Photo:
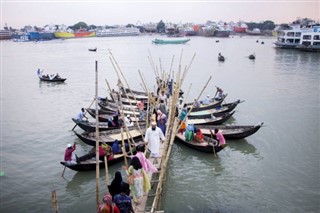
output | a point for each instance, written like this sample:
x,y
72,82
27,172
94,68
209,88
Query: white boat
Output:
x,y
310,41
119,31
290,37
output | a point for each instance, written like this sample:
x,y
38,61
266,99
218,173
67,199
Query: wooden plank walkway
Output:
x,y
147,199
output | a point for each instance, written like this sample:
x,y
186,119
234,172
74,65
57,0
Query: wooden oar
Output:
x,y
214,150
63,171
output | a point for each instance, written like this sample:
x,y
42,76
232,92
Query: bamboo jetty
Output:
x,y
150,202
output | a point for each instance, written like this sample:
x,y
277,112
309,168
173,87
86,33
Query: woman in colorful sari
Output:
x,y
140,183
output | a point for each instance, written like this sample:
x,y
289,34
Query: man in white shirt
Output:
x,y
81,115
153,136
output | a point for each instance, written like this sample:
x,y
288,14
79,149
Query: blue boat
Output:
x,y
170,41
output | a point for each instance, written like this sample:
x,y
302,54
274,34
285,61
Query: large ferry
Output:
x,y
310,41
5,34
120,31
290,36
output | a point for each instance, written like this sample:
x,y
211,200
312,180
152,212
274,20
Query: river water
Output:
x,y
275,170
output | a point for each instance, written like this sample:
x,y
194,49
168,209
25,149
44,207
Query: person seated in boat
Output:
x,y
128,121
69,156
81,115
189,134
199,135
206,101
196,103
116,118
116,148
220,94
57,76
220,138
106,150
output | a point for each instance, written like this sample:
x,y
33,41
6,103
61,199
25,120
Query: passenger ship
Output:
x,y
5,34
290,37
119,31
310,41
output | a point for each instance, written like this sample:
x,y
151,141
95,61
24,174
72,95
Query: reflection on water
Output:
x,y
243,147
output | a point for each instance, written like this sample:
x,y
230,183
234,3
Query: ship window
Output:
x,y
316,43
289,41
306,43
291,34
298,34
316,37
297,41
307,37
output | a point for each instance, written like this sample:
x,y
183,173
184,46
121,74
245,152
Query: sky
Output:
x,y
18,14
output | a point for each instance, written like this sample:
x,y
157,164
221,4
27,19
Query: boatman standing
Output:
x,y
81,115
152,138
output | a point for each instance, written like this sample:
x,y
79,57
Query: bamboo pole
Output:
x,y
164,164
152,63
114,61
106,171
97,142
54,200
124,149
167,148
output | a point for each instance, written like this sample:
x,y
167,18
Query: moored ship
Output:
x,y
310,41
290,37
5,34
120,31
77,34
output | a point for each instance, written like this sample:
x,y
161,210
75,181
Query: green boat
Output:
x,y
170,41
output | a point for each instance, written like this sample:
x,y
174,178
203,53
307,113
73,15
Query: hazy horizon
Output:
x,y
18,14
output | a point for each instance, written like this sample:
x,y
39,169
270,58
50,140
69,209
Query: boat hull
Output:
x,y
206,146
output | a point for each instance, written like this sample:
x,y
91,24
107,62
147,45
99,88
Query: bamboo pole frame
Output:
x,y
97,139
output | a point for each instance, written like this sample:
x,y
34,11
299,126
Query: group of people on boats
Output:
x,y
50,77
219,95
138,182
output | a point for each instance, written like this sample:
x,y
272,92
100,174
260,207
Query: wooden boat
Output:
x,y
213,104
91,126
170,41
127,110
252,56
232,132
197,120
93,49
208,145
90,164
51,79
133,96
103,126
110,136
217,111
